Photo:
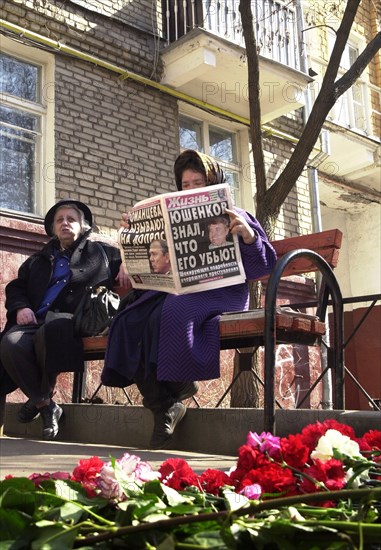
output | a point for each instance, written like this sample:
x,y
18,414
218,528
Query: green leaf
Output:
x,y
154,487
67,490
188,509
12,522
20,483
174,497
140,507
151,518
70,512
206,539
15,497
54,537
167,544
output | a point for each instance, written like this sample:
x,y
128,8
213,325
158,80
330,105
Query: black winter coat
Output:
x,y
88,268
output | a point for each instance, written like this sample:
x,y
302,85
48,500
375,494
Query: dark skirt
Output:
x,y
133,341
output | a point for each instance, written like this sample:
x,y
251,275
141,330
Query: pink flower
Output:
x,y
135,470
39,478
265,442
107,484
252,492
130,469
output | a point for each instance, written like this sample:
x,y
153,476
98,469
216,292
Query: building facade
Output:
x,y
99,97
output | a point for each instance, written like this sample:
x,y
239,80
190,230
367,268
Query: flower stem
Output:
x,y
356,494
84,508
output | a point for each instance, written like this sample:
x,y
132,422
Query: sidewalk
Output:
x,y
22,457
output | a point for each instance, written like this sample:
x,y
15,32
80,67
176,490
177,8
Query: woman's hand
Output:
x,y
123,279
26,316
239,226
125,221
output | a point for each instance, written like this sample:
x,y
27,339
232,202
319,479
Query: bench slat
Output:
x,y
252,323
245,324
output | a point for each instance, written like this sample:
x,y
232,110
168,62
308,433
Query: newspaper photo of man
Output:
x,y
159,257
218,232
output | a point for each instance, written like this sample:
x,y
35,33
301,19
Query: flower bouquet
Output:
x,y
320,489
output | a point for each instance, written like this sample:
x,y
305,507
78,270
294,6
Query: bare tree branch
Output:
x,y
358,67
325,100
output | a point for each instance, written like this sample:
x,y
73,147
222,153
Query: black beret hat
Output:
x,y
49,218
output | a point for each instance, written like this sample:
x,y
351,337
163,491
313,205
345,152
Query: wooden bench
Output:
x,y
272,325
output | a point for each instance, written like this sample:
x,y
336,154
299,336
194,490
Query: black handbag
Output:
x,y
96,308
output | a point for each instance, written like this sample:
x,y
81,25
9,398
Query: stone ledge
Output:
x,y
204,430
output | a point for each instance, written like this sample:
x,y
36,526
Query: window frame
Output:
x,y
44,179
348,100
243,192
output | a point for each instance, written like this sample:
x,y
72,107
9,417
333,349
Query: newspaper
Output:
x,y
180,242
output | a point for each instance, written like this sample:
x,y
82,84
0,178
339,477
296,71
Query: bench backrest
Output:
x,y
326,243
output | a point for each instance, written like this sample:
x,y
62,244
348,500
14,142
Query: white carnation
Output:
x,y
333,441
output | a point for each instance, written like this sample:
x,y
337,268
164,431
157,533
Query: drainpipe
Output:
x,y
313,184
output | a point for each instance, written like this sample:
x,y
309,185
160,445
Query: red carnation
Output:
x,y
176,473
331,473
86,473
294,452
211,481
272,478
371,441
248,459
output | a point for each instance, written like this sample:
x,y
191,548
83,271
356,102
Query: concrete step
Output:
x,y
203,430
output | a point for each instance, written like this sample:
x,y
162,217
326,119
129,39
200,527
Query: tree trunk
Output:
x,y
270,198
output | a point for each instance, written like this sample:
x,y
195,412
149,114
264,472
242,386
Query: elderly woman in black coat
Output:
x,y
38,340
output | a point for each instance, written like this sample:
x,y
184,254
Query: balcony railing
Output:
x,y
275,24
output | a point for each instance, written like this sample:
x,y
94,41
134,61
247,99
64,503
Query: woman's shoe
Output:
x,y
50,415
165,423
27,412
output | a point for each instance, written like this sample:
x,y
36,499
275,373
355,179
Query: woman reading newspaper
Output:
x,y
165,342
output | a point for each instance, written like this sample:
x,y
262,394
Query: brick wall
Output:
x,y
115,141
115,39
295,213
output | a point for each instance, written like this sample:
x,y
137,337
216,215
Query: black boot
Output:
x,y
165,424
27,412
50,415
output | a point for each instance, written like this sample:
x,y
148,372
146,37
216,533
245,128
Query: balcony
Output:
x,y
205,55
351,150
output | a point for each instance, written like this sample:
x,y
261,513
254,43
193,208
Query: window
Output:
x,y
216,142
349,110
24,129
